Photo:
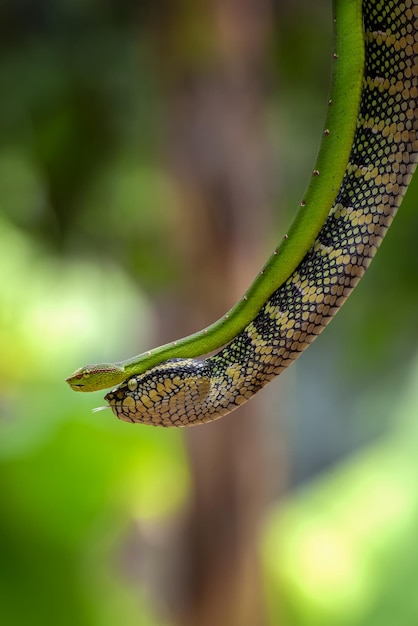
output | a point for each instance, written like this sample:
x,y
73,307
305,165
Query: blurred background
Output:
x,y
151,157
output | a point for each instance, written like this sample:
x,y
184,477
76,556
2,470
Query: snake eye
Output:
x,y
132,384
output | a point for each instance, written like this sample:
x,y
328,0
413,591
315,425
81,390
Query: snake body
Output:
x,y
184,391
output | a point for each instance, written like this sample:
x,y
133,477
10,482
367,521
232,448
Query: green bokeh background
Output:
x,y
85,208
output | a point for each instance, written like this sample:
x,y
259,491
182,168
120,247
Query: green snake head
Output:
x,y
95,377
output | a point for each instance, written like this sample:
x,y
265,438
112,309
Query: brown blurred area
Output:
x,y
214,65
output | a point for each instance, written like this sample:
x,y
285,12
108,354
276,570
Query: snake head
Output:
x,y
170,394
95,377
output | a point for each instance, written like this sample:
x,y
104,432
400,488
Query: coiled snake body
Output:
x,y
181,392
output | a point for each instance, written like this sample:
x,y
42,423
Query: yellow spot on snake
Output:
x,y
128,403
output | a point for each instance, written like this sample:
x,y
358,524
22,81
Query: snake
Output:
x,y
367,157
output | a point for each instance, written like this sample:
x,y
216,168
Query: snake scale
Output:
x,y
185,391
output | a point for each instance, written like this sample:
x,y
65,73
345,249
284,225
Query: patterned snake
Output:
x,y
302,287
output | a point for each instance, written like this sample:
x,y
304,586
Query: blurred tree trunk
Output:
x,y
213,63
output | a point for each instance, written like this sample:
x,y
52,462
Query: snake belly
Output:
x,y
183,392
